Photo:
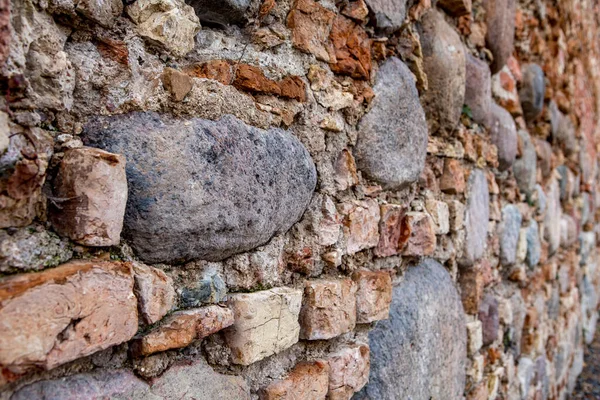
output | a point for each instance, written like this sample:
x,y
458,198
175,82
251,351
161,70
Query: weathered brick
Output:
x,y
390,230
348,371
154,291
418,235
308,380
328,308
53,317
266,323
361,225
373,295
453,177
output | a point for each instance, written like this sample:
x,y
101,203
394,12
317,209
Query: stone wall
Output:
x,y
297,199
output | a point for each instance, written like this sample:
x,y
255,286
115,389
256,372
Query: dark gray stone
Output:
x,y
222,12
525,167
210,289
489,317
500,18
533,90
202,189
420,352
504,136
392,137
509,234
534,249
478,89
477,217
389,14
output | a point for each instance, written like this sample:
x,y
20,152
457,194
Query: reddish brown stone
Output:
x,y
373,295
418,235
155,292
352,48
177,83
61,314
182,328
293,87
252,79
357,10
112,49
218,70
348,371
453,178
390,230
456,7
328,308
311,24
471,285
308,380
91,188
361,225
4,30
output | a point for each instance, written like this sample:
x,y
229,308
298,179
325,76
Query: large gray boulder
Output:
x,y
392,137
202,189
420,352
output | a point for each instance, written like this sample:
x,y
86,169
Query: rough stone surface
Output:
x,y
169,22
418,235
348,371
488,315
32,249
90,194
373,295
155,292
533,90
311,25
308,380
478,89
553,216
392,138
209,289
52,317
389,14
328,308
181,328
266,323
223,12
509,234
525,166
440,214
361,225
390,230
533,245
471,284
477,215
504,136
421,351
453,177
500,18
456,8
445,66
222,211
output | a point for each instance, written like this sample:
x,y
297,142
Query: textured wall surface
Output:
x,y
298,199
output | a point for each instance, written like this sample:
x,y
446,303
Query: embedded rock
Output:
x,y
242,185
224,12
500,20
478,89
445,65
533,245
509,234
373,295
476,218
311,24
348,371
504,136
308,380
52,317
172,23
488,315
392,137
155,292
389,14
525,167
418,235
533,90
420,352
563,130
90,192
390,230
361,225
266,323
456,8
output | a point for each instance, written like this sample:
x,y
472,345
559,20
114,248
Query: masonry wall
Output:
x,y
297,199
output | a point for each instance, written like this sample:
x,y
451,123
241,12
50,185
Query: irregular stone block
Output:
x,y
242,184
390,230
525,167
534,249
351,49
209,289
177,82
172,23
224,12
90,191
533,91
420,352
389,14
509,234
445,66
453,177
553,216
311,24
266,323
477,216
361,225
489,317
563,130
568,231
418,235
345,171
308,380
478,89
155,292
504,136
471,285
348,371
474,338
439,212
183,327
500,19
328,308
32,249
52,317
373,295
457,215
392,138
